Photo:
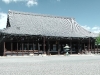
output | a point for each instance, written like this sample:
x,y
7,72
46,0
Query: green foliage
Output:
x,y
97,40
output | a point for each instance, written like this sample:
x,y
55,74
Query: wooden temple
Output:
x,y
31,33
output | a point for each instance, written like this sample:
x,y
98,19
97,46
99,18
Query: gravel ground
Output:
x,y
50,65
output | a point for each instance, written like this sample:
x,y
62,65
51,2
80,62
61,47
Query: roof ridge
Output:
x,y
37,14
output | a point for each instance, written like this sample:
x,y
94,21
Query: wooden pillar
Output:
x,y
44,45
84,48
38,46
28,47
94,48
4,50
11,48
70,45
61,48
78,45
33,46
22,48
97,48
89,45
48,47
58,47
17,48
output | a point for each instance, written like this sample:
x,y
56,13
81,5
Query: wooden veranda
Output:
x,y
26,45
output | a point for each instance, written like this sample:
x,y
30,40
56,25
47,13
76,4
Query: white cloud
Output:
x,y
3,20
9,1
29,3
86,27
6,1
94,29
32,2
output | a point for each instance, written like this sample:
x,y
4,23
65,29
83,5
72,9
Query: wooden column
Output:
x,y
33,46
17,48
28,47
22,48
38,46
48,47
78,45
70,45
58,47
94,48
4,50
97,48
89,45
84,48
61,47
43,45
11,48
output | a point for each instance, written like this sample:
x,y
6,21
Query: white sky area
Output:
x,y
3,20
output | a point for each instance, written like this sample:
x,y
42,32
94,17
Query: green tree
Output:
x,y
97,42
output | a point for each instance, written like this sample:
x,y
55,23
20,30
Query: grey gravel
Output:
x,y
50,65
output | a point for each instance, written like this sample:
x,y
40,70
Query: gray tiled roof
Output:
x,y
46,25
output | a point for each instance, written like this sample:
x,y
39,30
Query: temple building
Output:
x,y
31,33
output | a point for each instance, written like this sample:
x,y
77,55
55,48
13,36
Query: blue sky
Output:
x,y
85,12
